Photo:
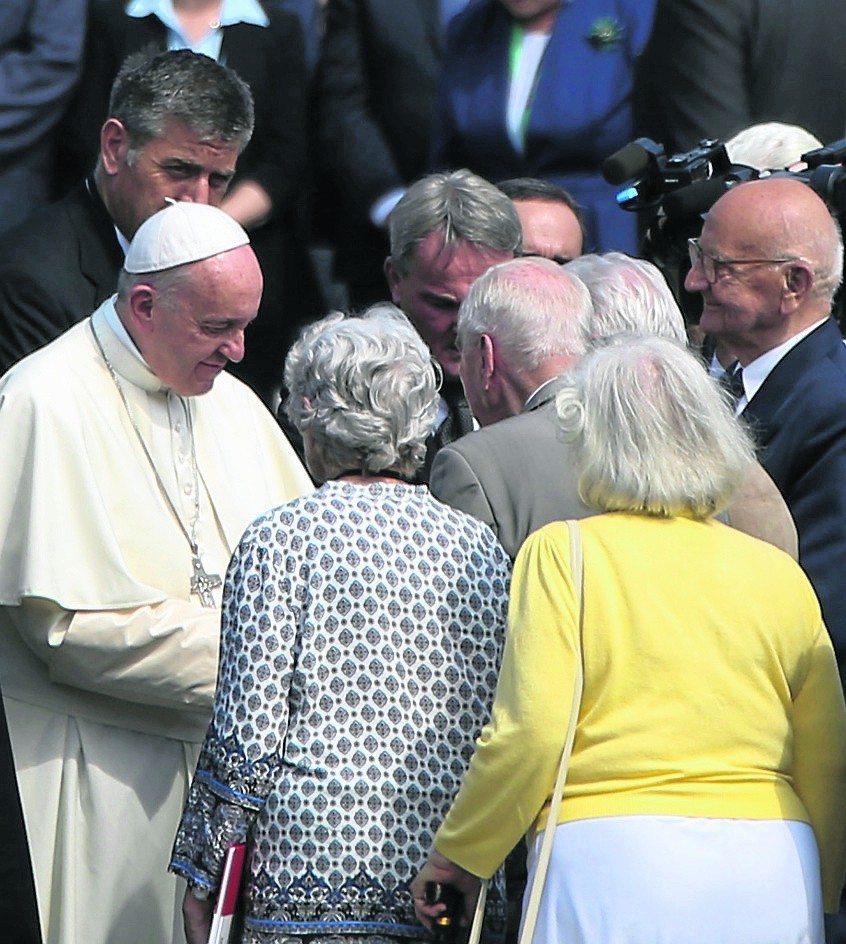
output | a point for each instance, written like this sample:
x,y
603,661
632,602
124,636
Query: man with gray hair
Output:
x,y
516,474
177,124
445,232
131,464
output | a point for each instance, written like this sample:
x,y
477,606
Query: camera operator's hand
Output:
x,y
440,869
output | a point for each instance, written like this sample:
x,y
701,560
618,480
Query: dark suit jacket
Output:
x,y
40,50
376,86
18,909
714,67
55,269
581,109
519,474
799,418
271,60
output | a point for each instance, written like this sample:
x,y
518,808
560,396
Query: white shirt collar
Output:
x,y
538,392
757,371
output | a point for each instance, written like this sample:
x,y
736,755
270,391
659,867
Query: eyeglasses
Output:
x,y
712,266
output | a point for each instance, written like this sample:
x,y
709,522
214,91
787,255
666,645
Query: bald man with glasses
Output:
x,y
767,265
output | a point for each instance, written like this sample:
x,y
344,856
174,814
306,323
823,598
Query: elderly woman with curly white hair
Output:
x,y
361,638
706,793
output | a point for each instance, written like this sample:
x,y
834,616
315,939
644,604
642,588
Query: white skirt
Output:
x,y
680,880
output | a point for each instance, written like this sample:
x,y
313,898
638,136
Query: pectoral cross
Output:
x,y
202,583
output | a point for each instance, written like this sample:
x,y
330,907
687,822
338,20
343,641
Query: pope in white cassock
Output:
x,y
129,467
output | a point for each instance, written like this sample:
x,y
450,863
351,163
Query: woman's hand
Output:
x,y
440,869
196,918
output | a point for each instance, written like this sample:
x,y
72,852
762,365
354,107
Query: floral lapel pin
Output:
x,y
605,33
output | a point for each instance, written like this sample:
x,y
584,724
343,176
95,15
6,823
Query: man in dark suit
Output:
x,y
714,67
155,147
376,87
521,325
767,265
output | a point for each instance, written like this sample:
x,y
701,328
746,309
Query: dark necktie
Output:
x,y
732,380
458,421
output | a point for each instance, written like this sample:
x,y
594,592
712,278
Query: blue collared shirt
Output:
x,y
231,11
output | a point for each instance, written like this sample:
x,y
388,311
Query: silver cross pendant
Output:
x,y
202,583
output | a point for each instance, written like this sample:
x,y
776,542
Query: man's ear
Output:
x,y
487,351
798,282
140,307
394,278
114,145
799,279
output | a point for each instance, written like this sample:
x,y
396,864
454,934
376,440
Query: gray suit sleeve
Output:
x,y
453,481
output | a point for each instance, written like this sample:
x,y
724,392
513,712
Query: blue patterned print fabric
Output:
x,y
362,633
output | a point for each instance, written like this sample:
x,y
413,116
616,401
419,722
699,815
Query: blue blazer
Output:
x,y
799,418
581,110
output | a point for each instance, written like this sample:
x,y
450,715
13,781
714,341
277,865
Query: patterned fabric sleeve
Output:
x,y
240,759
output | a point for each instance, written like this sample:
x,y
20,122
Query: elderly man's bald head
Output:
x,y
784,218
771,260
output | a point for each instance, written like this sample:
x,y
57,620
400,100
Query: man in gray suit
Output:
x,y
521,325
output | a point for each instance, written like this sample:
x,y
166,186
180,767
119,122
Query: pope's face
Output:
x,y
432,291
190,332
179,165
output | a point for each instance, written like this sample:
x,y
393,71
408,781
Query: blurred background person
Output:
x,y
704,798
542,88
714,67
376,86
40,53
360,647
550,218
264,46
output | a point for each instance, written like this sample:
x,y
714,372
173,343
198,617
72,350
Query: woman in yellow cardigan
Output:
x,y
706,795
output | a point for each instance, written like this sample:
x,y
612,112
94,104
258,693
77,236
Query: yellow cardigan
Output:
x,y
711,689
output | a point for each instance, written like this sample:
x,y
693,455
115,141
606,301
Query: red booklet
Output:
x,y
227,899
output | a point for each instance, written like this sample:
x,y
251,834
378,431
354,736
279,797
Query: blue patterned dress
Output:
x,y
361,638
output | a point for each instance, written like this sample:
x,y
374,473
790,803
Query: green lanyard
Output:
x,y
515,53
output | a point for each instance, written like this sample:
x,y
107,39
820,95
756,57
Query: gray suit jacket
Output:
x,y
518,475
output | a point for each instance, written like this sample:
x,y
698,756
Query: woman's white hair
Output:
x,y
652,431
628,295
366,388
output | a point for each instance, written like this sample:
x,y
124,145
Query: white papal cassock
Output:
x,y
108,662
